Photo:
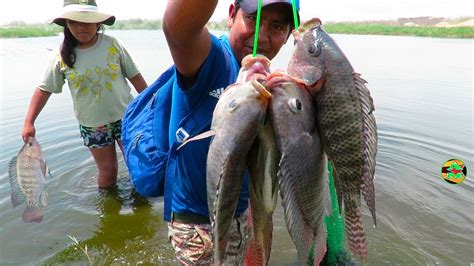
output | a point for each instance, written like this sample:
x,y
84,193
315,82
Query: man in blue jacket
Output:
x,y
204,65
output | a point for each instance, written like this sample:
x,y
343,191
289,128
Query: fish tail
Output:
x,y
369,197
32,214
260,243
356,239
255,254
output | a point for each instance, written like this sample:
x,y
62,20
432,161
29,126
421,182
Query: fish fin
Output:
x,y
337,185
221,236
203,135
299,228
43,167
12,172
32,214
49,172
17,197
319,245
355,234
12,167
44,197
370,150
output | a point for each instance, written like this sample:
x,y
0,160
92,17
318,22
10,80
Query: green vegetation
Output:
x,y
380,29
21,30
136,24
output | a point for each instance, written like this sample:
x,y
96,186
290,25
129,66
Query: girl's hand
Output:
x,y
29,130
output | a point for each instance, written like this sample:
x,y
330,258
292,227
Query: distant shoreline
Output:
x,y
421,27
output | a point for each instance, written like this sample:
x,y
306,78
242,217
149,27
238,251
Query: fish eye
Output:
x,y
295,105
314,49
232,105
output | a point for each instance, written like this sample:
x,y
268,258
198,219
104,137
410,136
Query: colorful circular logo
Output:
x,y
454,171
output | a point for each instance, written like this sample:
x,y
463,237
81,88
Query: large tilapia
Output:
x,y
346,122
27,173
237,118
302,164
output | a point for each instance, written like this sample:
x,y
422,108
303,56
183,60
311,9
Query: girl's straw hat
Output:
x,y
85,11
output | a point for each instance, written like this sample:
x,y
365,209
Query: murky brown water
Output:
x,y
422,89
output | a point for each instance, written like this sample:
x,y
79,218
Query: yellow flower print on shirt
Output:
x,y
95,80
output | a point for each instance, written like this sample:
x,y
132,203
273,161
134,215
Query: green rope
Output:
x,y
257,28
295,13
335,239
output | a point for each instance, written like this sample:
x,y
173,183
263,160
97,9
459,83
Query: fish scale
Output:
x,y
237,118
27,172
346,122
301,167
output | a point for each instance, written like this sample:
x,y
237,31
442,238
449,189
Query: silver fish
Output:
x,y
27,173
346,122
301,167
238,115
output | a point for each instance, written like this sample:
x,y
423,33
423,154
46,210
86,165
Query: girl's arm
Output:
x,y
138,82
38,101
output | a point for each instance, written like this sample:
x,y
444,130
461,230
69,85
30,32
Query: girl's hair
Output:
x,y
68,54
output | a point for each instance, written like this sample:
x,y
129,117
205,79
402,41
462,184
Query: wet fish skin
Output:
x,y
238,115
346,121
301,167
27,174
262,162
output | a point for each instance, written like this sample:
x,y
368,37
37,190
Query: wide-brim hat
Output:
x,y
85,11
251,6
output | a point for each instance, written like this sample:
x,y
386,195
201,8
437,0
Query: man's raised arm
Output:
x,y
184,25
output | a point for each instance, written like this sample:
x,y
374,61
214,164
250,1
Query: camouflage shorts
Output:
x,y
192,243
101,136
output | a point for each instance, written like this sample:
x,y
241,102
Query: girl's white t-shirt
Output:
x,y
97,82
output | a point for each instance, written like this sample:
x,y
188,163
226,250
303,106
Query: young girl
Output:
x,y
96,67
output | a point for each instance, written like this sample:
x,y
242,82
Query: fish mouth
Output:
x,y
249,60
279,77
261,89
312,23
257,67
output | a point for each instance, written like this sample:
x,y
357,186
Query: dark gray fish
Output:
x,y
301,168
27,173
345,120
237,118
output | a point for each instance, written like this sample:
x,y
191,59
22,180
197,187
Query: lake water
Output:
x,y
423,94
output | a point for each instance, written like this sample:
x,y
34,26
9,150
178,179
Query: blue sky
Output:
x,y
326,10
